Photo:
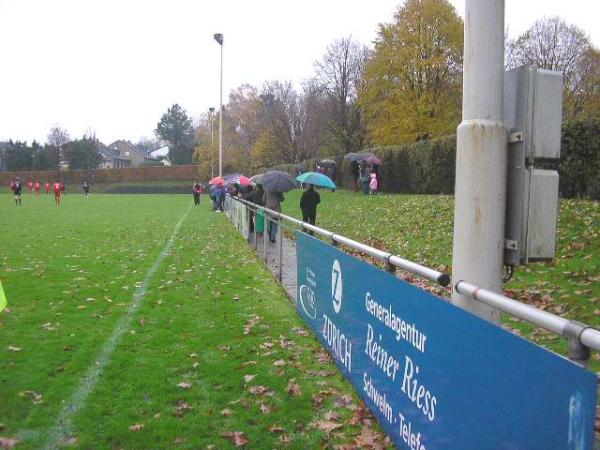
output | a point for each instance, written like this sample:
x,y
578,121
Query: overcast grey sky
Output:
x,y
115,66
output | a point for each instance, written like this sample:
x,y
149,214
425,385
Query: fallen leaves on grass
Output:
x,y
259,390
184,385
370,439
178,440
12,348
276,429
293,388
301,331
265,408
237,437
343,401
279,363
34,396
323,357
248,378
181,408
137,427
8,443
48,326
332,415
325,425
226,412
252,321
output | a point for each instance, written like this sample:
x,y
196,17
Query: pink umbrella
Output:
x,y
374,160
244,181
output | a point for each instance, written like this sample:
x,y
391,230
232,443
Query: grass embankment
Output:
x,y
214,354
419,228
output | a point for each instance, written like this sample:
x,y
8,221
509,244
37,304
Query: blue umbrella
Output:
x,y
318,179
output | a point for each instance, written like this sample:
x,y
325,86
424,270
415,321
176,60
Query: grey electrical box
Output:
x,y
533,114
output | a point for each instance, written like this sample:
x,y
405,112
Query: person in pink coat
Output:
x,y
373,184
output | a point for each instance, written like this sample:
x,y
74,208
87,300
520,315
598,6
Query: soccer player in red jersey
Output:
x,y
36,187
30,186
47,187
57,191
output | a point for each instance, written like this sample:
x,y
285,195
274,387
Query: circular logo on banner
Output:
x,y
336,286
307,300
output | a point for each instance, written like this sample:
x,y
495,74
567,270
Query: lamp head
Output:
x,y
219,38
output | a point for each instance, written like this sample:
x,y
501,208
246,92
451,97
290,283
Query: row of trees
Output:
x,y
406,89
78,153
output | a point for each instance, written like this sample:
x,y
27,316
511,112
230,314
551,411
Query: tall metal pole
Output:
x,y
480,194
221,115
211,112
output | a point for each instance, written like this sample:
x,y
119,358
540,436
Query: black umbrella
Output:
x,y
357,156
277,181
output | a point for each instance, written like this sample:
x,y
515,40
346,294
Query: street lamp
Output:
x,y
219,38
211,112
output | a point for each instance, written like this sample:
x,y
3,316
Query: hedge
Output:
x,y
428,167
579,165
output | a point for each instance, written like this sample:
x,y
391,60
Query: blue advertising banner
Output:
x,y
436,376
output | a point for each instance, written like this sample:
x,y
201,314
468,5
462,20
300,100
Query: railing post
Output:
x,y
280,222
578,353
265,232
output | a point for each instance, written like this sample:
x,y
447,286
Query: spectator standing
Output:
x,y
257,197
308,204
373,185
196,191
365,178
220,197
273,201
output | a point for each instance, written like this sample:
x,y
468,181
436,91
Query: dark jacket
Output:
x,y
256,197
309,201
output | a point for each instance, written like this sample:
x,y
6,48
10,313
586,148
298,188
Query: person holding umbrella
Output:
x,y
273,201
275,183
308,204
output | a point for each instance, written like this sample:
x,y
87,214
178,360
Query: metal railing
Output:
x,y
581,337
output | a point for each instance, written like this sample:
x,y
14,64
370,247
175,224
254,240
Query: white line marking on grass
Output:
x,y
63,427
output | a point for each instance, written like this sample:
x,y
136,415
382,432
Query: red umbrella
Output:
x,y
217,180
244,181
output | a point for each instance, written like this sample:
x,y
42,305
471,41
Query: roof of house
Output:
x,y
160,152
129,146
106,152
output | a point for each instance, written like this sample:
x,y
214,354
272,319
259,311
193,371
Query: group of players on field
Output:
x,y
58,187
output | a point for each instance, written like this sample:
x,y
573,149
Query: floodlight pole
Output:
x,y
219,38
211,112
480,194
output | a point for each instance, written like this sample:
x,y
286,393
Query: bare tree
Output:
x,y
338,74
57,138
555,45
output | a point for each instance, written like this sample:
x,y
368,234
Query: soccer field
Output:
x,y
141,321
